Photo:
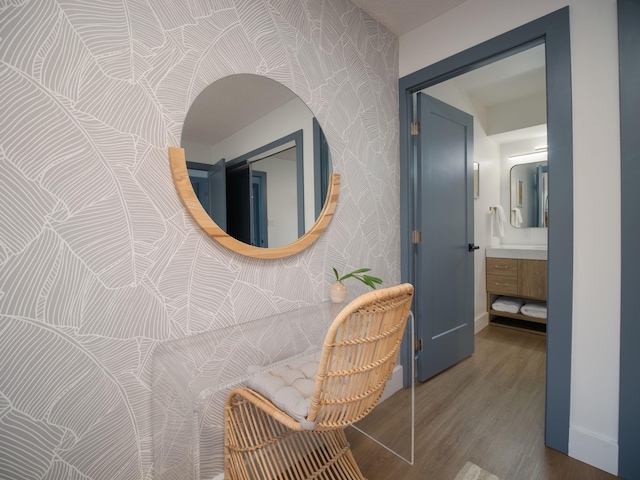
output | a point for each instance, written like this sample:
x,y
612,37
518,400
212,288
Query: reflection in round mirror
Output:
x,y
257,160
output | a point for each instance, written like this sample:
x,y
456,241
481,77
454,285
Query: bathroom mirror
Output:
x,y
529,195
258,166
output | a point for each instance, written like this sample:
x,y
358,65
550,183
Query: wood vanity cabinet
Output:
x,y
516,278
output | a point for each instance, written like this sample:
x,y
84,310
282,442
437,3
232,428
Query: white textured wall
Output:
x,y
596,141
282,200
99,262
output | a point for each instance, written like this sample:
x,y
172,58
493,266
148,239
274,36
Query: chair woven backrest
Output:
x,y
358,356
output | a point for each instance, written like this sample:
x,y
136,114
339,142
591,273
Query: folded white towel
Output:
x,y
498,221
534,309
517,217
507,304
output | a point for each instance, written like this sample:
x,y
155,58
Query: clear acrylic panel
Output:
x,y
192,377
391,423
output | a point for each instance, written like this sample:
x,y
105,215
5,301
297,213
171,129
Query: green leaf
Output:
x,y
360,270
368,280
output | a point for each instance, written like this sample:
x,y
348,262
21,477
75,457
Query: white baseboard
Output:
x,y
393,384
593,449
480,322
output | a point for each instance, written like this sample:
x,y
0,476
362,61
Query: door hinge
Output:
x,y
416,236
415,128
418,344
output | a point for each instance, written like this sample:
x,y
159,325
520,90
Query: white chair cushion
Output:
x,y
290,386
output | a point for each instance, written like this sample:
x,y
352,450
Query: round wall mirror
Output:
x,y
254,169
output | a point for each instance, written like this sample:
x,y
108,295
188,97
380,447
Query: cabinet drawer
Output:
x,y
502,284
502,266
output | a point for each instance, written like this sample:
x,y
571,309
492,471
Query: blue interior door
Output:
x,y
218,194
444,216
238,194
259,206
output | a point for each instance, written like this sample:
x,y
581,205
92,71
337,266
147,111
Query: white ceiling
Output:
x,y
509,81
231,103
518,76
402,16
500,82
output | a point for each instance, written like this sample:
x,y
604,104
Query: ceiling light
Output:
x,y
532,156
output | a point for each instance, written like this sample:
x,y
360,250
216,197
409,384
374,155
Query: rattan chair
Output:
x,y
358,355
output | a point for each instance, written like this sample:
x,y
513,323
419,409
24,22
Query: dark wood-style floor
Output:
x,y
488,409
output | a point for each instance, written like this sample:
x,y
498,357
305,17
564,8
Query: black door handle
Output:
x,y
473,247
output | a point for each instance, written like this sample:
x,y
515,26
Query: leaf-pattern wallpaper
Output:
x,y
99,262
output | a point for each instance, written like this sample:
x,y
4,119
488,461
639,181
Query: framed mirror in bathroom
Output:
x,y
529,186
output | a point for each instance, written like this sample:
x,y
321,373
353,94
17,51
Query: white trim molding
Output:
x,y
593,449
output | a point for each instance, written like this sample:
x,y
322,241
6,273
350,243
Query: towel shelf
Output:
x,y
517,278
518,316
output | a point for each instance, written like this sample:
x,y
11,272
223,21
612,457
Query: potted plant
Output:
x,y
338,291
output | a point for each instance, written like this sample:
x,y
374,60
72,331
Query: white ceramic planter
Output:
x,y
338,292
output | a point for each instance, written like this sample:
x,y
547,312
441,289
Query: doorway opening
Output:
x,y
552,31
507,100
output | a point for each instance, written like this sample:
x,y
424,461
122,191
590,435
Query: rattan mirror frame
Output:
x,y
192,204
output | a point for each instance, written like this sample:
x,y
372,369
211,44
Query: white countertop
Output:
x,y
529,252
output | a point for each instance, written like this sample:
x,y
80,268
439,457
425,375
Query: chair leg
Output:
x,y
257,447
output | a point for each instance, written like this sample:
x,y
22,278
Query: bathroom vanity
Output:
x,y
516,271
